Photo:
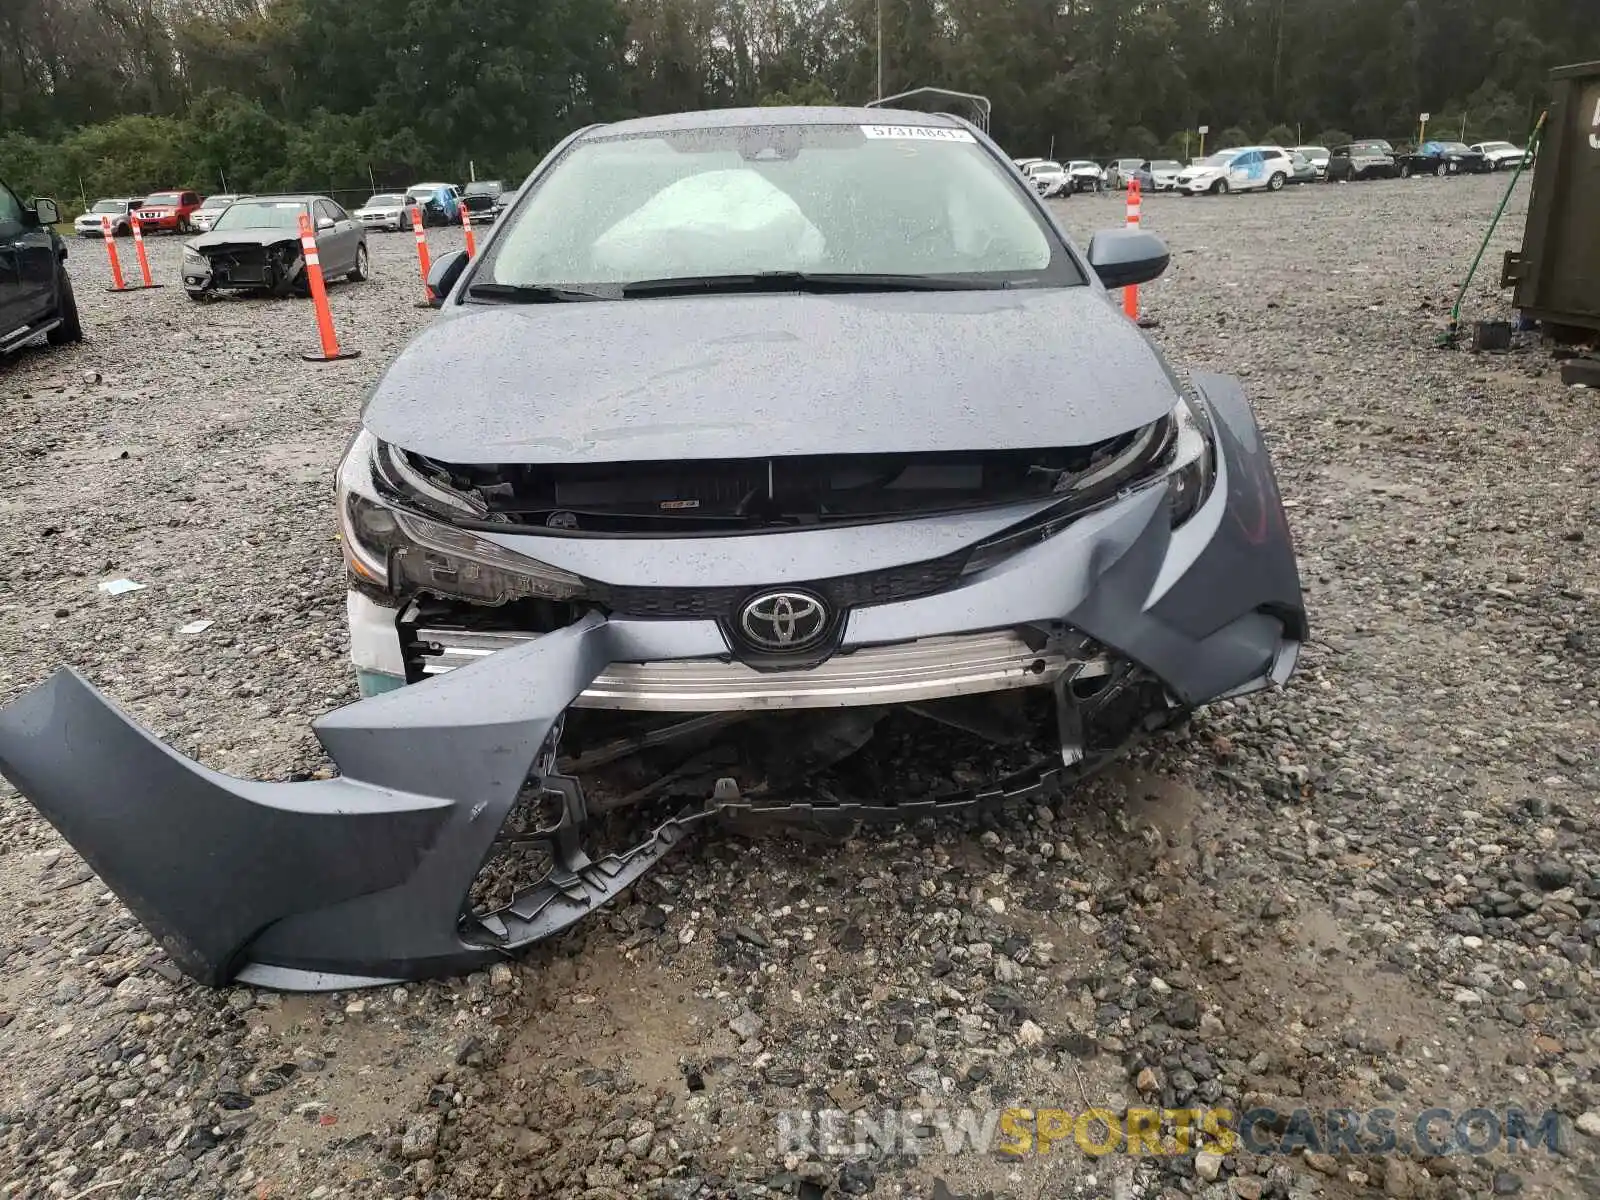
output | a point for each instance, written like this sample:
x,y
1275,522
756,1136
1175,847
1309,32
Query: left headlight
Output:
x,y
398,549
1192,467
1179,448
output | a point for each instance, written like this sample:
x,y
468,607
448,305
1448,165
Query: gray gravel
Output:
x,y
1379,887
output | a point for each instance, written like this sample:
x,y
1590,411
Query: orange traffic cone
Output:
x,y
422,255
1130,294
319,298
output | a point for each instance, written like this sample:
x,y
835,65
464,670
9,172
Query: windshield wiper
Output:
x,y
530,293
805,281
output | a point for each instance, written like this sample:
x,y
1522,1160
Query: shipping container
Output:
x,y
1557,272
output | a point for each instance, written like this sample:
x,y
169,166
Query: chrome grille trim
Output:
x,y
900,673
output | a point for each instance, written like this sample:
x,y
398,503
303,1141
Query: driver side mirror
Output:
x,y
442,276
47,210
1123,257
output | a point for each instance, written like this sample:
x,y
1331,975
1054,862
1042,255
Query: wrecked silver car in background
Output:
x,y
254,246
754,441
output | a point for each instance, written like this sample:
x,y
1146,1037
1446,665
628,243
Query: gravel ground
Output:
x,y
1380,887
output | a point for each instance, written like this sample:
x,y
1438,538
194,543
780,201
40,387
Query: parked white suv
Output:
x,y
1239,169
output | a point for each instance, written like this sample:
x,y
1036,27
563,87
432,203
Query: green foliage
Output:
x,y
1279,135
812,91
136,94
1139,142
1332,137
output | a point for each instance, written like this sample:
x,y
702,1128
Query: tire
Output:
x,y
196,296
1441,170
363,270
70,329
1275,184
1405,170
1219,188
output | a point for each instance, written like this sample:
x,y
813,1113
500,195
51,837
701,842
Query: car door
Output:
x,y
32,253
1245,170
12,310
334,244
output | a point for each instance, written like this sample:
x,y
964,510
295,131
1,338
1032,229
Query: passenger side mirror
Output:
x,y
443,274
48,211
325,222
1123,257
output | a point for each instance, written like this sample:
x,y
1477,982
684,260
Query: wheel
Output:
x,y
1405,170
194,294
70,329
1441,170
362,271
405,222
1219,188
122,230
1275,184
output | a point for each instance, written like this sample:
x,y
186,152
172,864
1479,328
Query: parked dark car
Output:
x,y
1303,170
35,289
255,246
1442,158
755,436
1361,160
485,199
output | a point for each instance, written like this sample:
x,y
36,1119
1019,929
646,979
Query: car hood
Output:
x,y
783,374
242,237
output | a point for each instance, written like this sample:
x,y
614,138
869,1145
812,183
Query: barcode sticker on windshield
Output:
x,y
920,133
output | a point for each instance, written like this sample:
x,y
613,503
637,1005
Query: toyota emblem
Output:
x,y
784,621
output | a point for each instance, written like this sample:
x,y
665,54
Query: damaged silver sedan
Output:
x,y
254,246
757,441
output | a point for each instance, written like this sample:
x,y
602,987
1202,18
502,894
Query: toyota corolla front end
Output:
x,y
719,457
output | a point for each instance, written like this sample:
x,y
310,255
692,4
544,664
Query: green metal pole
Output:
x,y
1453,331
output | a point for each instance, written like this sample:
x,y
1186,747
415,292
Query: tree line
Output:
x,y
121,96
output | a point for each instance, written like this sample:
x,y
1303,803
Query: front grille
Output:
x,y
842,592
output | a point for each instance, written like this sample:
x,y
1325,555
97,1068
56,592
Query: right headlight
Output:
x,y
400,550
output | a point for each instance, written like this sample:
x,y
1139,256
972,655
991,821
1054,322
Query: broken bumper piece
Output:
x,y
344,882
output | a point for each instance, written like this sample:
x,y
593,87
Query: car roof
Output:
x,y
286,197
725,118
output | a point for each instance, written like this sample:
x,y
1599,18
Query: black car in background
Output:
x,y
1371,159
1442,158
485,199
35,290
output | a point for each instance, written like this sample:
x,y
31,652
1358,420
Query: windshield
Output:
x,y
1454,147
274,214
1166,164
1044,168
839,200
163,198
1498,146
384,198
424,191
109,206
212,203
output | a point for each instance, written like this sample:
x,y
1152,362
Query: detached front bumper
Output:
x,y
365,877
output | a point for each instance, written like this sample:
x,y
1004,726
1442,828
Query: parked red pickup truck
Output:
x,y
168,211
